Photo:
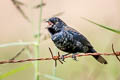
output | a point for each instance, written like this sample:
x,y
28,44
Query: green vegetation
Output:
x,y
84,69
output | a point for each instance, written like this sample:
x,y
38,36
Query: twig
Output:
x,y
39,5
18,54
115,53
57,57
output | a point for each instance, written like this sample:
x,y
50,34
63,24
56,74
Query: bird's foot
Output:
x,y
74,57
62,58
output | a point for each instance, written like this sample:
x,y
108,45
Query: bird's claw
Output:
x,y
62,58
74,57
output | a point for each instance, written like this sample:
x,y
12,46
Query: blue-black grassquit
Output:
x,y
69,40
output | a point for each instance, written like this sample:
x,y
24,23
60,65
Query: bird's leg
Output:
x,y
74,57
62,57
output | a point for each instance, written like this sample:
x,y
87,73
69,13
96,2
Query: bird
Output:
x,y
70,40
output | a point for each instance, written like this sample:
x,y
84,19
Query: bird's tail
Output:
x,y
98,57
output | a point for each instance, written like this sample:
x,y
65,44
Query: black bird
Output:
x,y
69,40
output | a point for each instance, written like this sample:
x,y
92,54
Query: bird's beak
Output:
x,y
49,24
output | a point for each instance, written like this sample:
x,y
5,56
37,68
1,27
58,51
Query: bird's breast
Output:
x,y
63,41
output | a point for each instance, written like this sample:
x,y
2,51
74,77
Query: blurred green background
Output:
x,y
15,28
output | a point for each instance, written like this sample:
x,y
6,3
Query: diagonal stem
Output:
x,y
51,52
18,54
115,53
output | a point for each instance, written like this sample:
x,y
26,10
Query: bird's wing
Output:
x,y
78,36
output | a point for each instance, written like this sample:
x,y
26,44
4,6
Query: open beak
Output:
x,y
49,24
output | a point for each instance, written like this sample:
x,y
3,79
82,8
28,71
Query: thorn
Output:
x,y
60,61
55,58
59,58
51,52
115,53
55,63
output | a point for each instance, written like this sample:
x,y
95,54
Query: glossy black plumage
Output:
x,y
69,40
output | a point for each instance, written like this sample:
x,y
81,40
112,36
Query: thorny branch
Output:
x,y
115,53
55,58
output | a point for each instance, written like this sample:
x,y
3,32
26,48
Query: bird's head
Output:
x,y
55,25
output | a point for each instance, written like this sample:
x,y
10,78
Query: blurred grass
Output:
x,y
52,77
18,44
102,26
87,68
84,69
37,48
14,71
18,5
